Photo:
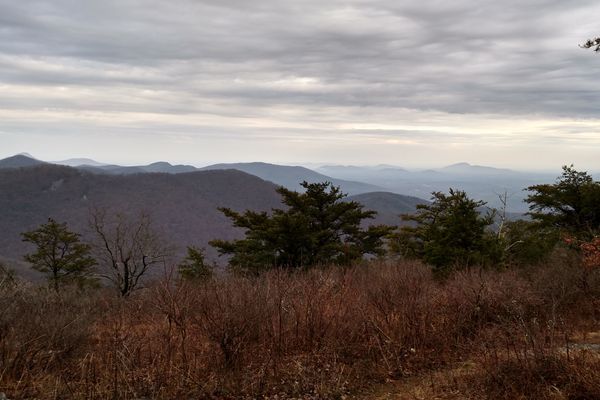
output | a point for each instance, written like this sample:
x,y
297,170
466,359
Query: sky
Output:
x,y
410,83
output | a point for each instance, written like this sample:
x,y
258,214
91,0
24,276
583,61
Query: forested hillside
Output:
x,y
182,206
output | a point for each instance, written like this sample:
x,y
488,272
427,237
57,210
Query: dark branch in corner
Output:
x,y
592,43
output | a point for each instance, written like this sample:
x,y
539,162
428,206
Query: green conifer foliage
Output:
x,y
59,254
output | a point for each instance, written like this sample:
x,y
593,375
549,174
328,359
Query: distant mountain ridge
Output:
x,y
19,161
157,167
389,206
76,162
291,176
466,168
283,175
480,182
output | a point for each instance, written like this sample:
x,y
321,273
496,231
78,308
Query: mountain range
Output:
x,y
184,205
183,200
283,175
291,176
480,182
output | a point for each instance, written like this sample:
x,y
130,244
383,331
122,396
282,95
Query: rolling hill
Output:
x,y
76,162
282,175
160,167
291,176
389,206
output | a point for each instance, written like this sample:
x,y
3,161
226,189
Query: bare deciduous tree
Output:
x,y
127,248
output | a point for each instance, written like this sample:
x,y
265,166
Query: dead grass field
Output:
x,y
386,330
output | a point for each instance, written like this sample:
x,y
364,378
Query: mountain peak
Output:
x,y
160,164
19,161
77,162
24,154
459,165
464,167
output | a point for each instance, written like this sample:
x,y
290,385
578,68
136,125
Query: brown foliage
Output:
x,y
315,334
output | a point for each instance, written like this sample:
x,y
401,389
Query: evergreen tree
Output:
x,y
571,205
59,254
448,232
194,266
316,228
527,243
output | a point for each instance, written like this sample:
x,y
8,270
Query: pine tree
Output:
x,y
448,232
194,266
316,228
59,254
571,205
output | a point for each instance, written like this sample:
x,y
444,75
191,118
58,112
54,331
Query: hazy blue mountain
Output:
x,y
354,169
466,168
480,182
157,167
76,162
291,176
388,205
362,173
165,167
112,169
19,161
87,164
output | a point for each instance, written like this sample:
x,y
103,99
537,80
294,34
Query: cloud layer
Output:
x,y
412,83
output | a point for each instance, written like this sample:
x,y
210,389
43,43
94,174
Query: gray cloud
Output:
x,y
298,66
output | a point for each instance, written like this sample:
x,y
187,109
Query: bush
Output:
x,y
321,333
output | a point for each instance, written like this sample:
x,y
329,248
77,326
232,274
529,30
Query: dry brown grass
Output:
x,y
329,333
557,377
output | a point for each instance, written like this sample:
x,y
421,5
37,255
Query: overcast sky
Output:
x,y
410,83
